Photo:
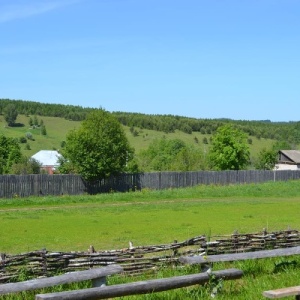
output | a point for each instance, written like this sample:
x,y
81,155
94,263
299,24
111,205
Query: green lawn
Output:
x,y
111,220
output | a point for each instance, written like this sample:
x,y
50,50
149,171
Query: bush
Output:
x,y
29,136
22,140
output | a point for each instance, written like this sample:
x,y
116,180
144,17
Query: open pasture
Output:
x,y
110,221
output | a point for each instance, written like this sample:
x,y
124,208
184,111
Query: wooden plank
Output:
x,y
284,292
141,287
240,256
61,279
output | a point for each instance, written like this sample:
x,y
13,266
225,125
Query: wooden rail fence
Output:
x,y
141,259
142,287
97,275
40,185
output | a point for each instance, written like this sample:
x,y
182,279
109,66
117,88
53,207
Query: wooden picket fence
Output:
x,y
59,184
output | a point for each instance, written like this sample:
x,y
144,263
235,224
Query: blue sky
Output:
x,y
237,59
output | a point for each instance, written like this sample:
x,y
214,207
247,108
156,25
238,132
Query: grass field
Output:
x,y
110,220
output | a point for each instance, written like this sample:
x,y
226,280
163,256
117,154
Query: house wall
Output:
x,y
283,158
48,169
287,167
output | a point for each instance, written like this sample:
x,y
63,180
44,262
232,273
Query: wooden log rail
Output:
x,y
97,275
284,292
141,287
239,256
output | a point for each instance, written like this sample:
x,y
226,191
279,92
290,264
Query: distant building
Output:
x,y
288,160
48,159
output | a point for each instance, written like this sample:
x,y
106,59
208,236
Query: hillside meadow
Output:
x,y
57,129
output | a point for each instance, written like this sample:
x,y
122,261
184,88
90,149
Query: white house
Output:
x,y
48,159
288,160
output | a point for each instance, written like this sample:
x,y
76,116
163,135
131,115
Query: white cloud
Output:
x,y
30,8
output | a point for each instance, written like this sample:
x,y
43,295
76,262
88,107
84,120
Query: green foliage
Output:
x,y
229,150
22,140
133,166
266,159
10,153
281,145
26,166
10,114
27,146
163,123
149,127
160,154
29,136
35,121
99,148
43,130
189,159
171,155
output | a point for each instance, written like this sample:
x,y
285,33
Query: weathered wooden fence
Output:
x,y
141,259
39,185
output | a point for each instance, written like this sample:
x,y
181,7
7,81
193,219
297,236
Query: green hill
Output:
x,y
58,127
141,129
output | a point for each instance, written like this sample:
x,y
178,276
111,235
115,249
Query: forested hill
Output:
x,y
288,131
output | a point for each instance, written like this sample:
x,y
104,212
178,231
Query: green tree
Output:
x,y
35,121
266,159
229,150
171,155
160,154
26,166
98,148
30,122
189,159
43,130
10,114
10,153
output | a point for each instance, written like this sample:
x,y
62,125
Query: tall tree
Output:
x,y
229,150
98,148
10,114
171,155
266,159
10,153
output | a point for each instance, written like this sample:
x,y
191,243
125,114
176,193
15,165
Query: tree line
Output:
x,y
99,148
289,131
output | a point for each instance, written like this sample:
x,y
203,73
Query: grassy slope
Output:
x,y
57,128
